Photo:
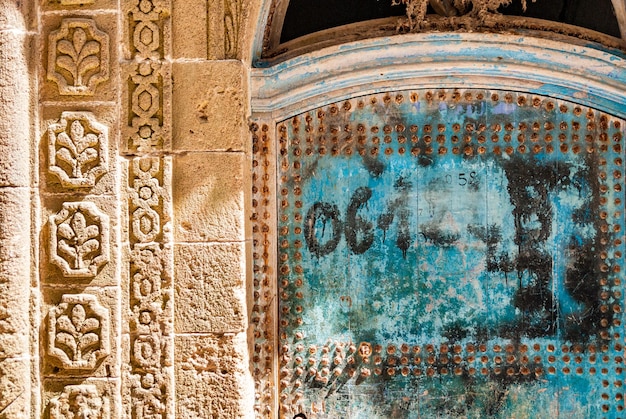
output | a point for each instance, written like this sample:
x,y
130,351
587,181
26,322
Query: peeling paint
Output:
x,y
451,253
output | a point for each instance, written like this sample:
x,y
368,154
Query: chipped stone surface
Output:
x,y
14,110
208,92
14,268
14,386
212,372
209,288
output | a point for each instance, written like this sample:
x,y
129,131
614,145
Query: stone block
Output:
x,y
208,197
211,378
209,296
92,39
15,111
225,23
14,271
90,261
60,170
14,388
211,112
78,332
74,398
189,29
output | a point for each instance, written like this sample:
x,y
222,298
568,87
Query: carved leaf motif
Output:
x,y
69,251
78,316
66,342
79,39
65,231
92,232
89,63
90,325
78,330
88,342
65,155
65,141
79,56
90,48
79,225
87,156
89,51
77,149
80,240
77,334
89,140
65,47
77,131
64,324
67,63
90,246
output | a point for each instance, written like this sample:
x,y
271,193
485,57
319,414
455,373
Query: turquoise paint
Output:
x,y
594,74
398,253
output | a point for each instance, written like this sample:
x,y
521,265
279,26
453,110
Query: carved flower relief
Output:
x,y
78,57
80,402
78,332
79,239
77,149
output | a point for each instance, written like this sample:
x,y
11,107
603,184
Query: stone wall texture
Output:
x,y
123,198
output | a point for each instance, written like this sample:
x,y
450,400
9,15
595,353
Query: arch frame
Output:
x,y
564,68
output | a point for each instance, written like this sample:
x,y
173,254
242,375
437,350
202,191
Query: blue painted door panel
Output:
x,y
451,254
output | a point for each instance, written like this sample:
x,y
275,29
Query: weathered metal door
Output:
x,y
449,253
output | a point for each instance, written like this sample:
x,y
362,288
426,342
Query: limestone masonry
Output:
x,y
152,215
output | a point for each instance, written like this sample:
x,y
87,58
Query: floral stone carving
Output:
x,y
77,149
79,239
78,332
79,401
78,57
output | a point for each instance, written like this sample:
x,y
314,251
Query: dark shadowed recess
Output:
x,y
306,16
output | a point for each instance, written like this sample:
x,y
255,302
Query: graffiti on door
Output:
x,y
450,254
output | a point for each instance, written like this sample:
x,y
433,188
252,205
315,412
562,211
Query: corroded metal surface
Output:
x,y
448,254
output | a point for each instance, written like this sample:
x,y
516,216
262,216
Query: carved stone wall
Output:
x,y
123,213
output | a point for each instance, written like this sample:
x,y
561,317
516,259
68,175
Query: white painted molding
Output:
x,y
583,72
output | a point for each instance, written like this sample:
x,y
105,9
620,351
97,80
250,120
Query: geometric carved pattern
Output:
x,y
77,149
150,288
78,57
78,332
79,239
146,109
149,77
149,382
79,401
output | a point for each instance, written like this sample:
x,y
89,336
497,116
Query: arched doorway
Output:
x,y
438,224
